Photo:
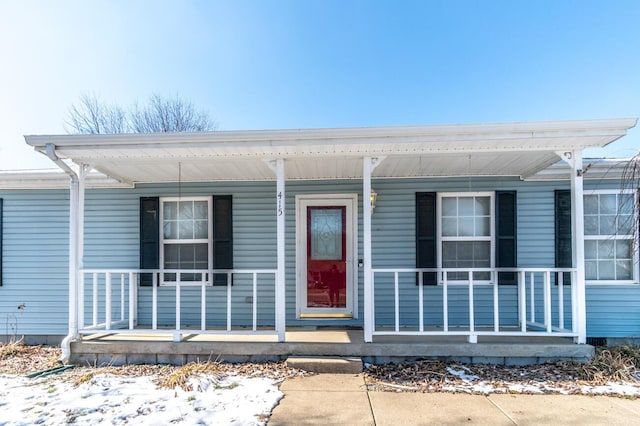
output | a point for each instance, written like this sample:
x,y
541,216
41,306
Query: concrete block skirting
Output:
x,y
116,352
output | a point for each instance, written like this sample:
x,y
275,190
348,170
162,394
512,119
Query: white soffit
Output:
x,y
515,149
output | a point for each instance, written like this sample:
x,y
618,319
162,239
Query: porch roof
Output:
x,y
504,149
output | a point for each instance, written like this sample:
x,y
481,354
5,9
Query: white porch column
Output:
x,y
574,159
368,166
280,277
74,194
368,278
84,170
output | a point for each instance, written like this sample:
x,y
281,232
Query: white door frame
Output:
x,y
350,202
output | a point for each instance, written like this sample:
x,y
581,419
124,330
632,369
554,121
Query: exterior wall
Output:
x,y
36,253
35,264
613,311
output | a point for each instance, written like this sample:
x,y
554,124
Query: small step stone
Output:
x,y
332,365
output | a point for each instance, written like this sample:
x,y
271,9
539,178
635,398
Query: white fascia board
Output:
x,y
581,130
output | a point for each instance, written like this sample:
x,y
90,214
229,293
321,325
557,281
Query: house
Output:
x,y
410,234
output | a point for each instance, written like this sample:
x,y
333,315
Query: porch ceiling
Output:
x,y
509,149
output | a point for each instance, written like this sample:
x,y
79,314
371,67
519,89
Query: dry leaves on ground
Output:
x,y
17,358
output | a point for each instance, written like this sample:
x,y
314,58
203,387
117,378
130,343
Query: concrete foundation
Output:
x,y
116,349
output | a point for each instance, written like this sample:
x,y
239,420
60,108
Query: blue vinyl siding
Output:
x,y
36,254
35,262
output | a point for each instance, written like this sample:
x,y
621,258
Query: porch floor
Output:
x,y
121,348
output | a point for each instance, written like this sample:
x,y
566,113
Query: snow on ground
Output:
x,y
119,400
470,384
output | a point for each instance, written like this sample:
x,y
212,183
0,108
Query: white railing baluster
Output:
x,y
95,299
532,300
82,281
122,297
135,298
496,304
397,301
560,284
154,301
574,308
132,300
373,305
420,300
228,301
522,295
255,301
178,301
547,301
471,304
445,302
203,302
107,310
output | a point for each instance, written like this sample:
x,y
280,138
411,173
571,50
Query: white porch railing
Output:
x,y
538,307
109,301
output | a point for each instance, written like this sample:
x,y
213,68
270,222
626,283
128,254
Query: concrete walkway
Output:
x,y
342,399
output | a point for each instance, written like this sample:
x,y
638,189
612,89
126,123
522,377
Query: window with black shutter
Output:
x,y
186,233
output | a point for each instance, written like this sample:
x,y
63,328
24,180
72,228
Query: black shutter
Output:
x,y
506,231
222,234
149,237
0,241
426,241
564,255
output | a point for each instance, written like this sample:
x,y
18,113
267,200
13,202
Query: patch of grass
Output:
x,y
179,377
619,363
12,348
82,378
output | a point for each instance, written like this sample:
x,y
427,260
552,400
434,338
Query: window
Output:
x,y
186,233
466,233
185,236
609,250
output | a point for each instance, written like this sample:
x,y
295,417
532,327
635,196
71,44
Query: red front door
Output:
x,y
326,257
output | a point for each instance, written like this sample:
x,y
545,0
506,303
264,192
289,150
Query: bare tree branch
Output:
x,y
631,183
157,115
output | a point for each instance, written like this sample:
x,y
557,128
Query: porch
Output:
x,y
159,348
467,305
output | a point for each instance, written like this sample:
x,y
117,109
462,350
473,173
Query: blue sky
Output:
x,y
300,64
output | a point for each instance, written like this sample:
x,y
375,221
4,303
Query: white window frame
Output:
x,y
634,246
490,238
208,241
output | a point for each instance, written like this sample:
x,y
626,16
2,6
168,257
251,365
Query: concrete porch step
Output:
x,y
333,365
